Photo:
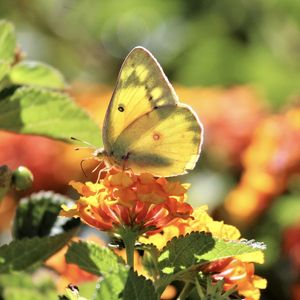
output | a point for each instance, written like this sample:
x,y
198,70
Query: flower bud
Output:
x,y
22,178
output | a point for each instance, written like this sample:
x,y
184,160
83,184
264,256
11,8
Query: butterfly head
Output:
x,y
102,155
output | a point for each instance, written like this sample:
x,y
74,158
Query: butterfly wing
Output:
x,y
141,87
164,142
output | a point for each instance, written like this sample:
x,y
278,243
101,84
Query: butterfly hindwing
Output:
x,y
168,143
141,87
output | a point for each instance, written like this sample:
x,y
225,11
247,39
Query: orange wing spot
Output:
x,y
156,136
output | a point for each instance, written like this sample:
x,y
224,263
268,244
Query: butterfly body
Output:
x,y
146,128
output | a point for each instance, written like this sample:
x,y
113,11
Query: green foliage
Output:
x,y
100,261
22,254
28,105
12,286
7,42
37,215
92,258
198,248
43,112
206,289
111,286
37,74
4,69
182,256
139,288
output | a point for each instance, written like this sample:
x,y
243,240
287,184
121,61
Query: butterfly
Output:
x,y
146,128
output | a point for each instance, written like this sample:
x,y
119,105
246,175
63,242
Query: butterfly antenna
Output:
x,y
89,145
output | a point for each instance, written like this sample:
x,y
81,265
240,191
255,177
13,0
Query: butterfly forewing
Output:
x,y
141,87
146,129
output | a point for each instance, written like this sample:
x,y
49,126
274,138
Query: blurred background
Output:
x,y
237,63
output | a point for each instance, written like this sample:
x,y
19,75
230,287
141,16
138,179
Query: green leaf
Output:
x,y
37,215
42,112
198,248
5,180
7,41
37,74
93,258
139,288
4,69
186,253
22,254
16,284
111,286
101,262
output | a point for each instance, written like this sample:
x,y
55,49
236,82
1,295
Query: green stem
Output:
x,y
129,238
185,291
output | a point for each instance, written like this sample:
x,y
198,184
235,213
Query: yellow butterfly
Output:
x,y
146,128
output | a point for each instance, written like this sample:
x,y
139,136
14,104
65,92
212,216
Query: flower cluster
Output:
x,y
123,199
268,162
156,208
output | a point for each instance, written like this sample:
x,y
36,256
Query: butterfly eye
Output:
x,y
121,108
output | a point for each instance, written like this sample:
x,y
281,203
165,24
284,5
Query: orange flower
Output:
x,y
122,198
238,275
272,157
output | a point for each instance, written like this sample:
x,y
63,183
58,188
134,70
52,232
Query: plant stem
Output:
x,y
129,238
185,291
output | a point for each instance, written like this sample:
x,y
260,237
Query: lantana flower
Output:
x,y
124,199
155,210
268,162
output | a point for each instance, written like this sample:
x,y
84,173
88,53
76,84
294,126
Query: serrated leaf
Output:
x,y
22,254
139,288
111,286
12,286
37,215
42,112
185,253
37,74
7,41
197,248
93,258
